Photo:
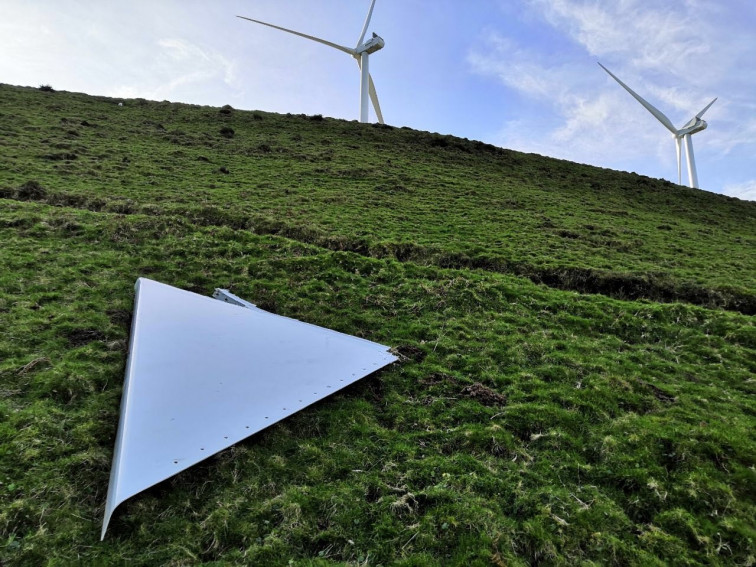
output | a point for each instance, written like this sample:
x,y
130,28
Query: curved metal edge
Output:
x,y
113,500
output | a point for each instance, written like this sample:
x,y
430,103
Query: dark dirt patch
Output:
x,y
31,191
484,395
120,317
79,337
410,352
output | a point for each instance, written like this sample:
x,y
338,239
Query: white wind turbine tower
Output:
x,y
360,53
695,124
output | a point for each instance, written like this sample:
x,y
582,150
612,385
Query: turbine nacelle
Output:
x,y
694,125
370,46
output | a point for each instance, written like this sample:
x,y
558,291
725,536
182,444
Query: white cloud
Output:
x,y
176,65
203,62
663,37
678,55
745,190
581,124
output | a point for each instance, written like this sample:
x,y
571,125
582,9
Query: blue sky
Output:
x,y
520,74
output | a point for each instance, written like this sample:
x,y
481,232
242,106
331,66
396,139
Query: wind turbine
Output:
x,y
361,53
694,125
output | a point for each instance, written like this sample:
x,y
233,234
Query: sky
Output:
x,y
520,74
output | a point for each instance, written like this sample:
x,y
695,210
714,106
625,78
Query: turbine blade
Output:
x,y
367,23
374,100
373,94
648,106
692,173
700,114
304,35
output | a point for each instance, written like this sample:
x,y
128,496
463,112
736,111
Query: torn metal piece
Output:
x,y
227,297
204,374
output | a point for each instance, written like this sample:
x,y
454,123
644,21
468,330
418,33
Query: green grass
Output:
x,y
384,191
604,418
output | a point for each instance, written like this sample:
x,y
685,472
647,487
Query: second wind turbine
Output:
x,y
695,124
361,53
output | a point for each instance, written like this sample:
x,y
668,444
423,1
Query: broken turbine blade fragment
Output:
x,y
224,295
203,374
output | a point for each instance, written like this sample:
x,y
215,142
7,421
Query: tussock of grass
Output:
x,y
523,424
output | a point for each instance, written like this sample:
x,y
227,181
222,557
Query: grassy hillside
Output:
x,y
382,191
577,345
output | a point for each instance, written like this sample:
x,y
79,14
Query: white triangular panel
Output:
x,y
203,374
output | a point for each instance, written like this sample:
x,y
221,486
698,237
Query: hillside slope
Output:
x,y
383,191
523,424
